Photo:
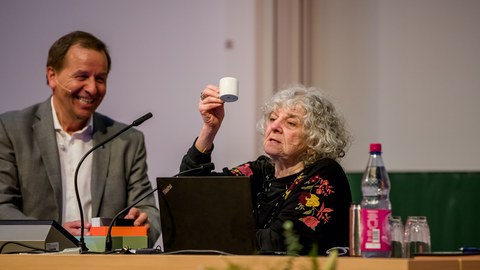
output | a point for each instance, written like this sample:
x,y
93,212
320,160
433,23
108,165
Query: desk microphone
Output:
x,y
108,238
81,242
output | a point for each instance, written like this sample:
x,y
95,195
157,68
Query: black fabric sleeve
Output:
x,y
193,159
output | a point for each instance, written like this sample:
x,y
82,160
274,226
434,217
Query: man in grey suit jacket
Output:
x,y
41,145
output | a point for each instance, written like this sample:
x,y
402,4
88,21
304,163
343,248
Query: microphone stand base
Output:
x,y
83,247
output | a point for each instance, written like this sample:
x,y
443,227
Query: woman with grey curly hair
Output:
x,y
325,133
299,179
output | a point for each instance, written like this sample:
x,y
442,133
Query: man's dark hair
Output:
x,y
58,50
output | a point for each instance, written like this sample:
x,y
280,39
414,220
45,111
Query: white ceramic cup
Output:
x,y
228,89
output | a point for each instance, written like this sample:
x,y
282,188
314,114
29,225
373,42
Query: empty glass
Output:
x,y
398,235
417,236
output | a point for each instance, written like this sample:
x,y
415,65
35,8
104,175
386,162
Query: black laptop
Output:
x,y
206,214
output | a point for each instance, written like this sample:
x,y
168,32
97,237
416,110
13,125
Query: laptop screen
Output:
x,y
205,214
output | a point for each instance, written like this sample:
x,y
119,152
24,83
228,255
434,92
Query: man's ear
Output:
x,y
51,77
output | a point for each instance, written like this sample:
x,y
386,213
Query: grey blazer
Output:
x,y
30,177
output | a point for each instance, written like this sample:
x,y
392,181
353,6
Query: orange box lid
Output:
x,y
119,231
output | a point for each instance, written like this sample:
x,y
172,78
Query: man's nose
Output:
x,y
91,86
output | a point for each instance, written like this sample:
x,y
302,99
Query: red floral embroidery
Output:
x,y
324,188
310,221
302,199
313,179
243,170
310,201
323,213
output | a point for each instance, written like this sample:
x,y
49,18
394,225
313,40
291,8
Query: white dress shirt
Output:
x,y
71,149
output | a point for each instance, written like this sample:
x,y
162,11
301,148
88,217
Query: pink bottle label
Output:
x,y
375,230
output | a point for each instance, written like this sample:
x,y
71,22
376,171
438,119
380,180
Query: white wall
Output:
x,y
164,53
429,83
345,66
406,73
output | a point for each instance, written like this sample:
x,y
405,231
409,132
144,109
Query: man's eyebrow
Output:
x,y
84,72
79,72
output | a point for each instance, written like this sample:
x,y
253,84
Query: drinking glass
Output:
x,y
398,235
417,236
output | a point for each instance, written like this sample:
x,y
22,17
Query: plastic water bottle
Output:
x,y
376,207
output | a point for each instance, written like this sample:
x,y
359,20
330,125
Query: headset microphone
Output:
x,y
63,87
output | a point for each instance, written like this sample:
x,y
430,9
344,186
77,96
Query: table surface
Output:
x,y
221,262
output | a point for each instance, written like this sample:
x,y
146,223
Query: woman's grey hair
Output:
x,y
325,132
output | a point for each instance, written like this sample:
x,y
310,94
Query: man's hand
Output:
x,y
74,227
141,218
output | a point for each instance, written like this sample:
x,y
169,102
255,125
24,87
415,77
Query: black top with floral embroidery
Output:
x,y
316,200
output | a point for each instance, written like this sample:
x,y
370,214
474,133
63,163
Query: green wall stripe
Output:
x,y
448,199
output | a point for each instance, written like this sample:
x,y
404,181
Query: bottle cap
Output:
x,y
376,147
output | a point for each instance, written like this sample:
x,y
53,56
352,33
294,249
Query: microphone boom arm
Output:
x,y
81,242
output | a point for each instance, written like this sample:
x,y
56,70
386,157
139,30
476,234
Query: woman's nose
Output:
x,y
276,125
